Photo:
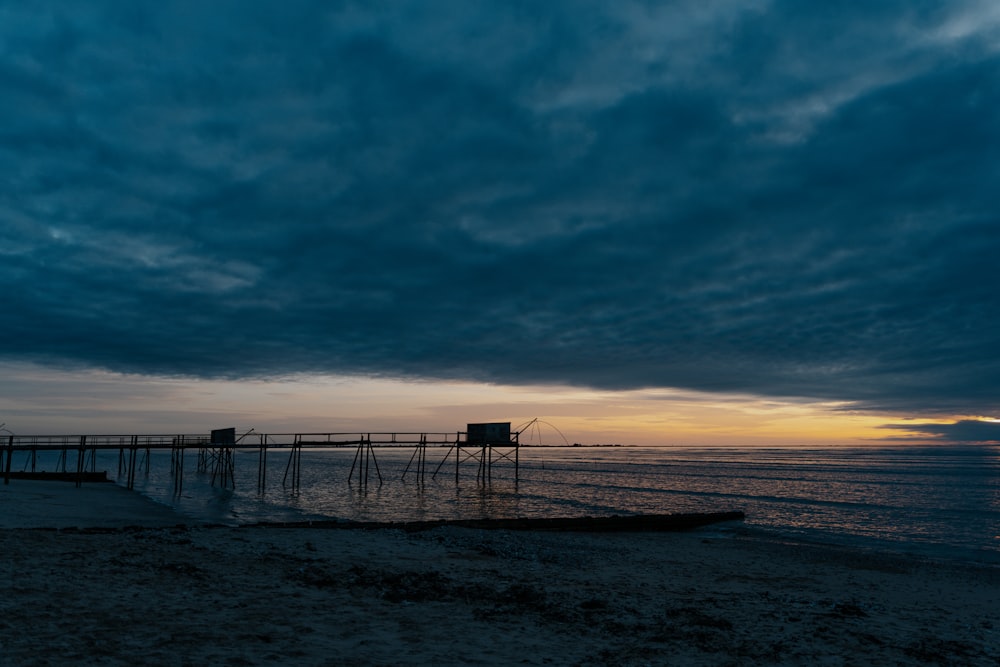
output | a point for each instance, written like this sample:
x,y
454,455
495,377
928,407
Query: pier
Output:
x,y
481,445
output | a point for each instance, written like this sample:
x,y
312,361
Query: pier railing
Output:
x,y
246,441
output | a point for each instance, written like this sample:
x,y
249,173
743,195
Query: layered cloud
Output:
x,y
967,431
764,197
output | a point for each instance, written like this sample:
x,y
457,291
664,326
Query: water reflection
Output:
x,y
906,497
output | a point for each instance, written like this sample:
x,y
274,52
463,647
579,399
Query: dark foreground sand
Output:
x,y
196,595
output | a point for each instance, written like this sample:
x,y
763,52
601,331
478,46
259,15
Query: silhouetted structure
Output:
x,y
485,444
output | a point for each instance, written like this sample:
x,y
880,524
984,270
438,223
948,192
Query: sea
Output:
x,y
939,502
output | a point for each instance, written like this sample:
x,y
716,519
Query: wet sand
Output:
x,y
36,504
168,594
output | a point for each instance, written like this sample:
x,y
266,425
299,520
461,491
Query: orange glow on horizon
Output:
x,y
51,401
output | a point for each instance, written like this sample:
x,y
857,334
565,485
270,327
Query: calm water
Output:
x,y
937,501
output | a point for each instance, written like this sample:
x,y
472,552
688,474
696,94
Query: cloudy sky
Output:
x,y
682,222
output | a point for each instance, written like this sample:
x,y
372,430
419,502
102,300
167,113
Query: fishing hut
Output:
x,y
485,444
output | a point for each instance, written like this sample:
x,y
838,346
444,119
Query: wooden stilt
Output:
x,y
81,456
10,458
262,466
177,464
294,465
420,456
133,451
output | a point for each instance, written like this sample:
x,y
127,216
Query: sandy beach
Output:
x,y
100,575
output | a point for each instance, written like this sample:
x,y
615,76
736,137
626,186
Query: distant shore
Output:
x,y
159,592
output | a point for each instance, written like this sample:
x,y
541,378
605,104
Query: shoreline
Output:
x,y
189,593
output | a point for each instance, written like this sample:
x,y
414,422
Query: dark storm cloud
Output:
x,y
774,198
968,431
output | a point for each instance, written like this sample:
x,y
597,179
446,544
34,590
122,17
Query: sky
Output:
x,y
688,223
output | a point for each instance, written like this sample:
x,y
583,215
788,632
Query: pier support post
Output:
x,y
10,457
225,468
32,458
132,453
92,457
294,465
420,455
364,456
262,465
177,464
81,457
455,447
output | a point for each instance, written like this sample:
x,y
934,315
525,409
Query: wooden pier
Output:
x,y
216,453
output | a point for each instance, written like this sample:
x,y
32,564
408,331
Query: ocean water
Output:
x,y
936,501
